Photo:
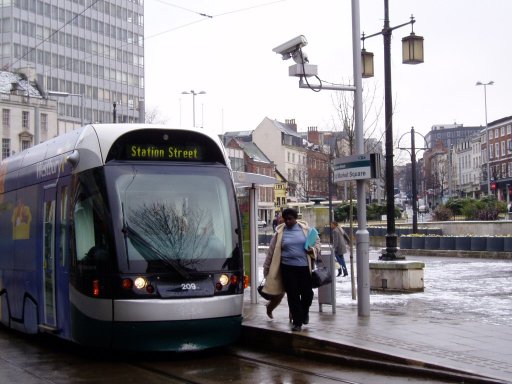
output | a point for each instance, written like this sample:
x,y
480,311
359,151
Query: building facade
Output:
x,y
90,52
27,117
449,134
500,156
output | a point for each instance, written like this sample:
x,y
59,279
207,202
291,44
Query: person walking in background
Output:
x,y
277,220
340,241
287,267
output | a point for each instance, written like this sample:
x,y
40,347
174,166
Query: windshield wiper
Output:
x,y
142,243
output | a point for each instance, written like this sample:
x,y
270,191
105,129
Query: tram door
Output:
x,y
49,296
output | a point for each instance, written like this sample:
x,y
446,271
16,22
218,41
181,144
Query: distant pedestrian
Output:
x,y
276,222
287,267
340,240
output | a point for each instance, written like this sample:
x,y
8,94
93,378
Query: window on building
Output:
x,y
491,134
496,133
44,122
503,151
6,148
25,144
497,149
25,116
509,129
6,118
502,131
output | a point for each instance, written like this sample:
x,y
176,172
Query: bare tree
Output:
x,y
344,122
153,116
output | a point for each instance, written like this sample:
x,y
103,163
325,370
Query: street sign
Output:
x,y
356,167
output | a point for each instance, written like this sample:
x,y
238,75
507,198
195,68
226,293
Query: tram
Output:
x,y
122,236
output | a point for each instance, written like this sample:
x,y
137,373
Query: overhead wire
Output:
x,y
52,34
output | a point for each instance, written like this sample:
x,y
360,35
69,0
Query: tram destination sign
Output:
x,y
358,167
168,152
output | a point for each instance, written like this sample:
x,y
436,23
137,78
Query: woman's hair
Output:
x,y
290,212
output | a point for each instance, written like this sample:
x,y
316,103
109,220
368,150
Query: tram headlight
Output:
x,y
224,280
140,283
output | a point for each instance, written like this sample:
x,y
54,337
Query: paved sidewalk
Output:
x,y
395,335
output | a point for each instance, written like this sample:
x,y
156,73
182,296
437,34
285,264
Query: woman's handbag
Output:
x,y
265,295
320,276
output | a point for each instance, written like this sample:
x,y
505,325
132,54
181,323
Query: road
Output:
x,y
37,360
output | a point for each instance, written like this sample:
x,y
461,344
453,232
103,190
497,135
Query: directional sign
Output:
x,y
353,168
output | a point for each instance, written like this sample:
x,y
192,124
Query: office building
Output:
x,y
87,54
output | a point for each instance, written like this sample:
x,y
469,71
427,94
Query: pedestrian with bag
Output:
x,y
288,265
340,241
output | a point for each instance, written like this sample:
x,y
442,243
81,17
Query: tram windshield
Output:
x,y
176,218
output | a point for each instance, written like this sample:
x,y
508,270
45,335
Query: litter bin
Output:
x,y
327,292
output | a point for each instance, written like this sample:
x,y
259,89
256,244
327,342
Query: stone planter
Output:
x,y
495,244
418,242
447,242
463,243
405,242
432,242
478,243
507,244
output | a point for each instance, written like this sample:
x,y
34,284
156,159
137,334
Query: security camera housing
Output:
x,y
288,48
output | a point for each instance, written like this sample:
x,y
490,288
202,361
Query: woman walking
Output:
x,y
287,267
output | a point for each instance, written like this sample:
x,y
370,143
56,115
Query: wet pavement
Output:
x,y
462,321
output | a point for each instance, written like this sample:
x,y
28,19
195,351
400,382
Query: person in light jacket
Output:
x,y
339,242
287,267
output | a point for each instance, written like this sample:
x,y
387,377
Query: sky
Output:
x,y
224,48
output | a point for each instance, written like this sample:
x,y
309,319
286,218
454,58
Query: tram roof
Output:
x,y
96,139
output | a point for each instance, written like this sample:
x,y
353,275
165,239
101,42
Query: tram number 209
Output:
x,y
188,286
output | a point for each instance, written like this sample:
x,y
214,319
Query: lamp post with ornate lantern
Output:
x,y
412,53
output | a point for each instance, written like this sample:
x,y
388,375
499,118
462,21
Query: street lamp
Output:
x,y
66,94
193,93
487,136
412,50
412,152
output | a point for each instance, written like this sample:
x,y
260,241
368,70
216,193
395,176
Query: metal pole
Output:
x,y
487,136
193,109
114,113
331,218
414,190
37,126
253,228
391,238
488,145
81,110
362,235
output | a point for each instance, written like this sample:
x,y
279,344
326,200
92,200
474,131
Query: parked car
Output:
x,y
423,209
262,223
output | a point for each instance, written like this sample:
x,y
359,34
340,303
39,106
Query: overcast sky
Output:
x,y
229,56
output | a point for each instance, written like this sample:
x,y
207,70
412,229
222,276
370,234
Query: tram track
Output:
x,y
242,366
35,360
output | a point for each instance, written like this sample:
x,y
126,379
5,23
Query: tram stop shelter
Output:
x,y
251,182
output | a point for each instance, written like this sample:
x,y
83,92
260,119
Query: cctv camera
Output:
x,y
288,48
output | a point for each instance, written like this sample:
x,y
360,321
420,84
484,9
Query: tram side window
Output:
x,y
91,236
84,228
63,223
